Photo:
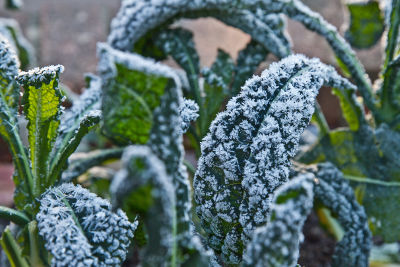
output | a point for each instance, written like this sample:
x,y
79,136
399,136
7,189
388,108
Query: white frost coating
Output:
x,y
40,75
142,168
246,155
277,243
108,57
12,31
189,111
9,63
79,228
136,18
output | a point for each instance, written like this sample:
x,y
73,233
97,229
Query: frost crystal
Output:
x,y
277,243
246,155
79,228
189,112
37,76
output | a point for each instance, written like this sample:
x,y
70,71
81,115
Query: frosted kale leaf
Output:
x,y
79,228
143,188
246,154
42,108
188,112
336,194
277,243
132,89
75,123
11,30
135,19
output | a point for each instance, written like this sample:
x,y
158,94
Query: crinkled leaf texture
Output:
x,y
79,228
246,155
188,112
277,243
143,187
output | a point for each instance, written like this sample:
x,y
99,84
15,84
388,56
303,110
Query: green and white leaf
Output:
x,y
42,108
246,154
277,243
80,229
132,89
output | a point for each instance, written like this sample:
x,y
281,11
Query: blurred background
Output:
x,y
66,32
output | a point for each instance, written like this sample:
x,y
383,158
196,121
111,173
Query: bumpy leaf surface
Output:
x,y
79,228
135,19
246,154
188,112
143,187
277,243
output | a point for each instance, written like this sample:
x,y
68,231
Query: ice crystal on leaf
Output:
x,y
277,243
246,155
189,112
79,228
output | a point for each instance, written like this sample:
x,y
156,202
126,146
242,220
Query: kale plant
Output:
x,y
251,201
77,227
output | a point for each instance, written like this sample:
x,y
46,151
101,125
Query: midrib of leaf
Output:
x,y
36,136
141,101
368,180
66,203
258,126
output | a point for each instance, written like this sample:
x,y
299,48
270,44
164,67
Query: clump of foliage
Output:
x,y
251,202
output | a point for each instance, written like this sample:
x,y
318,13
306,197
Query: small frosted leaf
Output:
x,y
277,243
79,228
189,113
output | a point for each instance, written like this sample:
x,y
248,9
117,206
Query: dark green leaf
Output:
x,y
366,24
12,249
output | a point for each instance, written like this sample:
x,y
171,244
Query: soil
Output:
x,y
318,245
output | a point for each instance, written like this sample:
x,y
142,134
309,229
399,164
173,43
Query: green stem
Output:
x,y
12,249
15,216
321,121
35,259
370,180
